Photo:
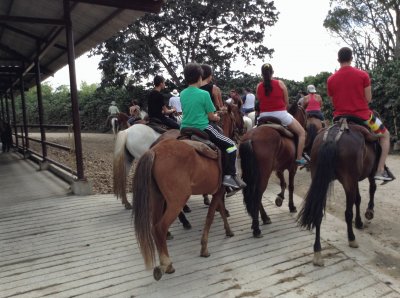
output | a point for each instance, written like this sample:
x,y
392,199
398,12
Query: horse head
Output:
x,y
298,113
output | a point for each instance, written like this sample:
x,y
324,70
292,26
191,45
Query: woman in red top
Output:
x,y
273,101
313,103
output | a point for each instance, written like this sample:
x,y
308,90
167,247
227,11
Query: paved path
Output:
x,y
70,246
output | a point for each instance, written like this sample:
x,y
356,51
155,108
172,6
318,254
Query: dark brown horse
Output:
x,y
166,176
262,151
314,125
344,154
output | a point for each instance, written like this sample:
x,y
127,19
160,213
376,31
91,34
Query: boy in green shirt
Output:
x,y
198,110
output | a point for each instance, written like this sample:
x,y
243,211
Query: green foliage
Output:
x,y
386,94
369,27
213,32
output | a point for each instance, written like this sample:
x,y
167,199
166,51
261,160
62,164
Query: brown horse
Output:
x,y
170,172
232,122
123,119
344,154
314,125
262,151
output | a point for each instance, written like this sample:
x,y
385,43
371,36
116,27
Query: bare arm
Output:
x,y
217,96
285,93
166,111
368,94
319,98
213,116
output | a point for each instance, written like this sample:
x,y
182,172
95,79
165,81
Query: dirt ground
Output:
x,y
385,227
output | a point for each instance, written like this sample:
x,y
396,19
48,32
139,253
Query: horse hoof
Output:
x,y
267,221
278,201
369,214
353,244
187,226
206,201
359,225
229,234
318,260
227,213
292,209
205,254
257,234
157,273
187,209
169,236
170,269
128,206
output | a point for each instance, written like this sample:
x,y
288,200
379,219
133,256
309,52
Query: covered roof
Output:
x,y
30,29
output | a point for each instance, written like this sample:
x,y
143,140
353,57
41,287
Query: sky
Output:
x,y
303,47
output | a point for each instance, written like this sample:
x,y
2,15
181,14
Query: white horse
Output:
x,y
252,116
131,144
114,126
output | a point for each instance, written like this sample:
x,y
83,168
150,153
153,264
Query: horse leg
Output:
x,y
358,222
369,214
318,260
292,173
265,218
160,230
216,201
350,199
206,200
182,218
280,196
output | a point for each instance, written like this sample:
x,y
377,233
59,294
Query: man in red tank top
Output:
x,y
350,91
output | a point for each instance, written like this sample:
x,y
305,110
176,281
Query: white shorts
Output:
x,y
285,117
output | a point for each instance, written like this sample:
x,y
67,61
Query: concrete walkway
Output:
x,y
69,246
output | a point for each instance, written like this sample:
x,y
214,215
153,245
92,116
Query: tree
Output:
x,y
213,32
370,27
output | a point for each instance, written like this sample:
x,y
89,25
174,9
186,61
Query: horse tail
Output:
x,y
120,165
250,175
311,134
142,188
314,204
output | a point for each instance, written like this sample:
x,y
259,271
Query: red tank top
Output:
x,y
313,104
275,101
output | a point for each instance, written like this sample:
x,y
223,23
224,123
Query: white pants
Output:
x,y
285,117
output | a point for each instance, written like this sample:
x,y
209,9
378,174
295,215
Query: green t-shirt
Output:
x,y
196,104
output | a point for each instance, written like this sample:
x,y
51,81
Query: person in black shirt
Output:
x,y
156,105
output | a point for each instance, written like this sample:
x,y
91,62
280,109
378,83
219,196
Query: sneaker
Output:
x,y
301,162
239,181
230,181
383,176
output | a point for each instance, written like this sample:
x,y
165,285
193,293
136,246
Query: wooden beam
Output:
x,y
19,19
140,5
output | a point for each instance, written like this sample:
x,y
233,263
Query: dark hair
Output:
x,y
158,80
207,71
192,73
247,89
345,54
267,72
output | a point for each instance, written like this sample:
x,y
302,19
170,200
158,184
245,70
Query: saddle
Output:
x,y
275,123
157,125
200,141
355,124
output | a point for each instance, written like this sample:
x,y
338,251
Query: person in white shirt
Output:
x,y
112,112
175,101
249,102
